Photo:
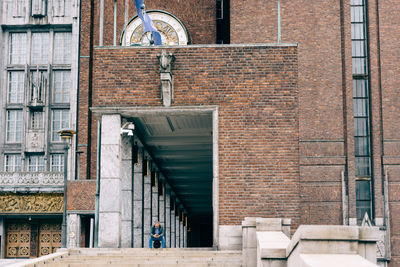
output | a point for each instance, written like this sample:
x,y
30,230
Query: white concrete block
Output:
x,y
126,234
126,147
110,129
110,195
126,174
109,230
126,213
110,161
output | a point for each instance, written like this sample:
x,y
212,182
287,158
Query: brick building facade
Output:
x,y
317,180
296,116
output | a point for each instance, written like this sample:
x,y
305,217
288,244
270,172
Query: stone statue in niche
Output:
x,y
38,84
166,76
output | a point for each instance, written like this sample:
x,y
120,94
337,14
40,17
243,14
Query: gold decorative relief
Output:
x,y
37,203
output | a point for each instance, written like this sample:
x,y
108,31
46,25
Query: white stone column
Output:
x,y
147,207
154,201
126,181
186,237
161,204
137,201
168,219
110,183
173,221
3,237
73,230
177,231
181,234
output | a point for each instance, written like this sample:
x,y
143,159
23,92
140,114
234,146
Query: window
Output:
x,y
13,163
60,120
57,163
36,163
14,126
61,87
62,48
40,48
36,120
16,87
18,48
361,110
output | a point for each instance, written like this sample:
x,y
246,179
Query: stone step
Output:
x,y
83,264
144,257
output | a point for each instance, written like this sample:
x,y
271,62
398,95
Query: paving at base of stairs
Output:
x,y
139,257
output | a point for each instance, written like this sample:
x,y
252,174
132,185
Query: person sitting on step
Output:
x,y
157,234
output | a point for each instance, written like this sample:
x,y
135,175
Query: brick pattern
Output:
x,y
256,90
198,16
81,195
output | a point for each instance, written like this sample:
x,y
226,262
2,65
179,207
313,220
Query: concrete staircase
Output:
x,y
138,257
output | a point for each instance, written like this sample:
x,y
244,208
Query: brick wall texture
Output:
x,y
324,82
255,88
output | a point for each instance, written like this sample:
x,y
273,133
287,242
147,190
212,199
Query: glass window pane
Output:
x,y
40,48
361,146
16,87
360,127
357,31
62,86
12,163
57,162
37,120
357,14
359,66
357,48
62,48
360,88
360,107
362,167
357,2
18,48
60,120
14,126
36,163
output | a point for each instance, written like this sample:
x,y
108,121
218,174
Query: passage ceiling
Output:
x,y
182,148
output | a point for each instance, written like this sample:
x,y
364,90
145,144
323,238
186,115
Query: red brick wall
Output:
x,y
197,15
323,91
389,30
81,195
255,88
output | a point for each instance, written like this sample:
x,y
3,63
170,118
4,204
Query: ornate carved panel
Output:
x,y
31,179
49,238
18,240
38,203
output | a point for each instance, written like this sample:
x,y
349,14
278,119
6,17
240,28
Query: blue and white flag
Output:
x,y
148,25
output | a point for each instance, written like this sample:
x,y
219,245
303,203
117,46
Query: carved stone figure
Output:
x,y
166,77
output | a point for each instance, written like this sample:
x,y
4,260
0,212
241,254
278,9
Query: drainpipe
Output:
x,y
96,215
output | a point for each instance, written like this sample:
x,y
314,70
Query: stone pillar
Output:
x,y
73,230
126,181
173,221
137,200
249,242
154,201
177,230
182,236
168,219
161,205
147,207
110,183
3,237
186,234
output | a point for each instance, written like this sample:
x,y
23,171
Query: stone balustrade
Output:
x,y
31,181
